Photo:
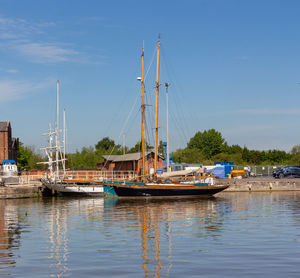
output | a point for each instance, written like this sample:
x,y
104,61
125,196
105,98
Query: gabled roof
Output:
x,y
4,126
125,157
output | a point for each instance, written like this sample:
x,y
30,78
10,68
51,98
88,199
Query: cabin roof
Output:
x,y
125,157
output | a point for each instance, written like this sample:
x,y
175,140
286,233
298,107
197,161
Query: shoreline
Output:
x,y
257,184
260,184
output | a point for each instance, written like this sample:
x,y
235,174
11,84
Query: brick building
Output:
x,y
129,162
8,145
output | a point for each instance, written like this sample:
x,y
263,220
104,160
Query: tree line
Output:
x,y
209,146
204,148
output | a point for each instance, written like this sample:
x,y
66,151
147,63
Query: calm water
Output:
x,y
232,235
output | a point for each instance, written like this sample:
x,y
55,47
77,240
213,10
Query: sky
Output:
x,y
232,65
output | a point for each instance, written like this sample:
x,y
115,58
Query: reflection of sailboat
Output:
x,y
159,221
152,185
58,232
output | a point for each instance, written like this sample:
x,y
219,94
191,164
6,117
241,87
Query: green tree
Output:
x,y
23,157
106,144
295,149
188,156
161,149
210,142
138,147
28,158
85,159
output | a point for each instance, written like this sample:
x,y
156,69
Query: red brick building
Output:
x,y
8,145
129,162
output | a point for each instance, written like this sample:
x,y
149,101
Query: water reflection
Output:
x,y
158,221
9,234
59,213
78,237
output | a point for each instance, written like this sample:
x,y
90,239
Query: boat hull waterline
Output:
x,y
176,190
73,190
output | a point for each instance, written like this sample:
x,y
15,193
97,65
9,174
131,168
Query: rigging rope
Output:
x,y
122,130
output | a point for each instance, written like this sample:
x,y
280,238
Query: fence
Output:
x,y
256,171
27,178
260,171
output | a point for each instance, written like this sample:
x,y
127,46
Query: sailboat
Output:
x,y
57,182
154,185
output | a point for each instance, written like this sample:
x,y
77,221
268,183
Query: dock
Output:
x,y
17,191
253,184
262,184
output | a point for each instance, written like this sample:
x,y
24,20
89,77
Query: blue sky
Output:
x,y
233,65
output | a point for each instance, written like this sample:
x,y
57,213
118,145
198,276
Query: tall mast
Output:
x,y
64,154
156,109
167,110
143,114
57,129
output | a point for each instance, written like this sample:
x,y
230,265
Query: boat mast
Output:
x,y
156,109
167,110
143,114
64,153
57,130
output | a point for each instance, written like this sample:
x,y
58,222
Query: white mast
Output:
x,y
167,109
50,149
64,157
57,130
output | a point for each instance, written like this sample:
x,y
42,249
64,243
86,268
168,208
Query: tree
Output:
x,y
188,156
28,158
295,149
209,142
106,144
85,159
138,147
161,149
23,157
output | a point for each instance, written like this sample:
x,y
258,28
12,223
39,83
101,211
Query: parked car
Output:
x,y
287,171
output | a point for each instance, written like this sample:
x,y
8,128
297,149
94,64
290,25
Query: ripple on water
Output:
x,y
232,235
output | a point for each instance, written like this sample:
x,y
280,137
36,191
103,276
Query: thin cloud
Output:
x,y
12,71
269,111
9,70
11,90
18,34
45,53
16,28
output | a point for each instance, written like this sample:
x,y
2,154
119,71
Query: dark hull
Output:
x,y
131,192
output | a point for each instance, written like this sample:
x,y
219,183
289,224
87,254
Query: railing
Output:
x,y
256,171
81,175
260,171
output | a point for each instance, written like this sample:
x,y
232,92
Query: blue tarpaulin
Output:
x,y
9,162
219,171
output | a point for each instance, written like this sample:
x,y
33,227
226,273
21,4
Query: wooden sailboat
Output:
x,y
152,185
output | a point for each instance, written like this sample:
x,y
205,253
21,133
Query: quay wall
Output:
x,y
32,189
260,184
20,191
